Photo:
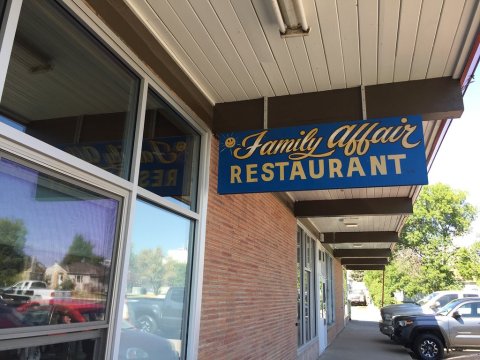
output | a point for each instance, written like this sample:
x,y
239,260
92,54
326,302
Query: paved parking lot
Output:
x,y
361,340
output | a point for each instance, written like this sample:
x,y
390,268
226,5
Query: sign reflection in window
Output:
x,y
56,245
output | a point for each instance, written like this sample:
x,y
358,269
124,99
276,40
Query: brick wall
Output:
x,y
249,294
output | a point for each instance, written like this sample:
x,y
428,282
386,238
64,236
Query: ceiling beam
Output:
x,y
361,237
364,261
353,207
365,267
362,253
433,99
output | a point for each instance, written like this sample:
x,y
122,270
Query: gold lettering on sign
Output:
x,y
352,140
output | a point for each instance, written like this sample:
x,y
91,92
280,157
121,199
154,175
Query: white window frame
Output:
x,y
313,289
34,150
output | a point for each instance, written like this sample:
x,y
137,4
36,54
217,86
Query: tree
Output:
x,y
468,262
424,260
12,242
81,250
357,275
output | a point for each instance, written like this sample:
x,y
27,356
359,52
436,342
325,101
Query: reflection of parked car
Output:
x,y
135,344
456,325
35,290
428,305
357,297
35,314
159,316
145,312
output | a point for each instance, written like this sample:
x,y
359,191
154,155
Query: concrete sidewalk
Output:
x,y
361,340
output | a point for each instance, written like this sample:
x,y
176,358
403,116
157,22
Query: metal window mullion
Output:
x,y
120,280
138,140
7,36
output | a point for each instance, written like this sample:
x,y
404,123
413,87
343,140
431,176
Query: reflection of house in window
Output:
x,y
86,277
34,270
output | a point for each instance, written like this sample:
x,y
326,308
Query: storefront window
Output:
x,y
330,293
157,283
305,285
52,233
84,349
170,154
66,89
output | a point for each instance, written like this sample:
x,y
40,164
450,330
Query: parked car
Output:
x,y
428,305
357,297
456,325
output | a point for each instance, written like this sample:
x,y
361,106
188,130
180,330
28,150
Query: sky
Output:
x,y
457,162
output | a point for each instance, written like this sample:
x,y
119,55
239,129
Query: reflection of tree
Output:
x,y
150,269
81,250
174,273
12,241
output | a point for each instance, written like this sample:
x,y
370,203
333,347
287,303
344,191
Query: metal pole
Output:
x,y
383,286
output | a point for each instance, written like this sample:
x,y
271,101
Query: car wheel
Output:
x,y
428,347
146,323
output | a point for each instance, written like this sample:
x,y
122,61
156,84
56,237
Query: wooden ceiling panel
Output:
x,y
368,27
348,20
251,28
332,42
278,46
208,19
407,34
445,34
427,28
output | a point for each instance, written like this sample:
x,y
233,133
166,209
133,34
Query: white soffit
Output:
x,y
233,49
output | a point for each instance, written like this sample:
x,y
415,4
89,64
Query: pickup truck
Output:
x,y
157,315
35,290
428,305
455,326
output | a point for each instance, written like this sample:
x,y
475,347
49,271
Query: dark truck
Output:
x,y
455,326
157,315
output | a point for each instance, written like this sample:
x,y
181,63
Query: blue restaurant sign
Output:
x,y
351,154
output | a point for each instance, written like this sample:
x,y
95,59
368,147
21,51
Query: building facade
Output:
x,y
109,162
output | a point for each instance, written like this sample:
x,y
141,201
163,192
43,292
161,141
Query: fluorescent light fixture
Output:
x,y
351,225
357,245
291,18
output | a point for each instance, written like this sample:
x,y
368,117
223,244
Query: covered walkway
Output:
x,y
362,340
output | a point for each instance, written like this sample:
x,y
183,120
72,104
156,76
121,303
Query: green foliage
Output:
x,y
424,261
150,269
174,273
468,262
67,284
357,275
12,242
81,250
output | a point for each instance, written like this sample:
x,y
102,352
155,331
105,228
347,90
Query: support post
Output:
x,y
383,286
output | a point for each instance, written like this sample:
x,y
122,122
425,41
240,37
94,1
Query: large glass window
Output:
x,y
63,87
330,292
306,319
158,275
83,349
52,232
170,154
